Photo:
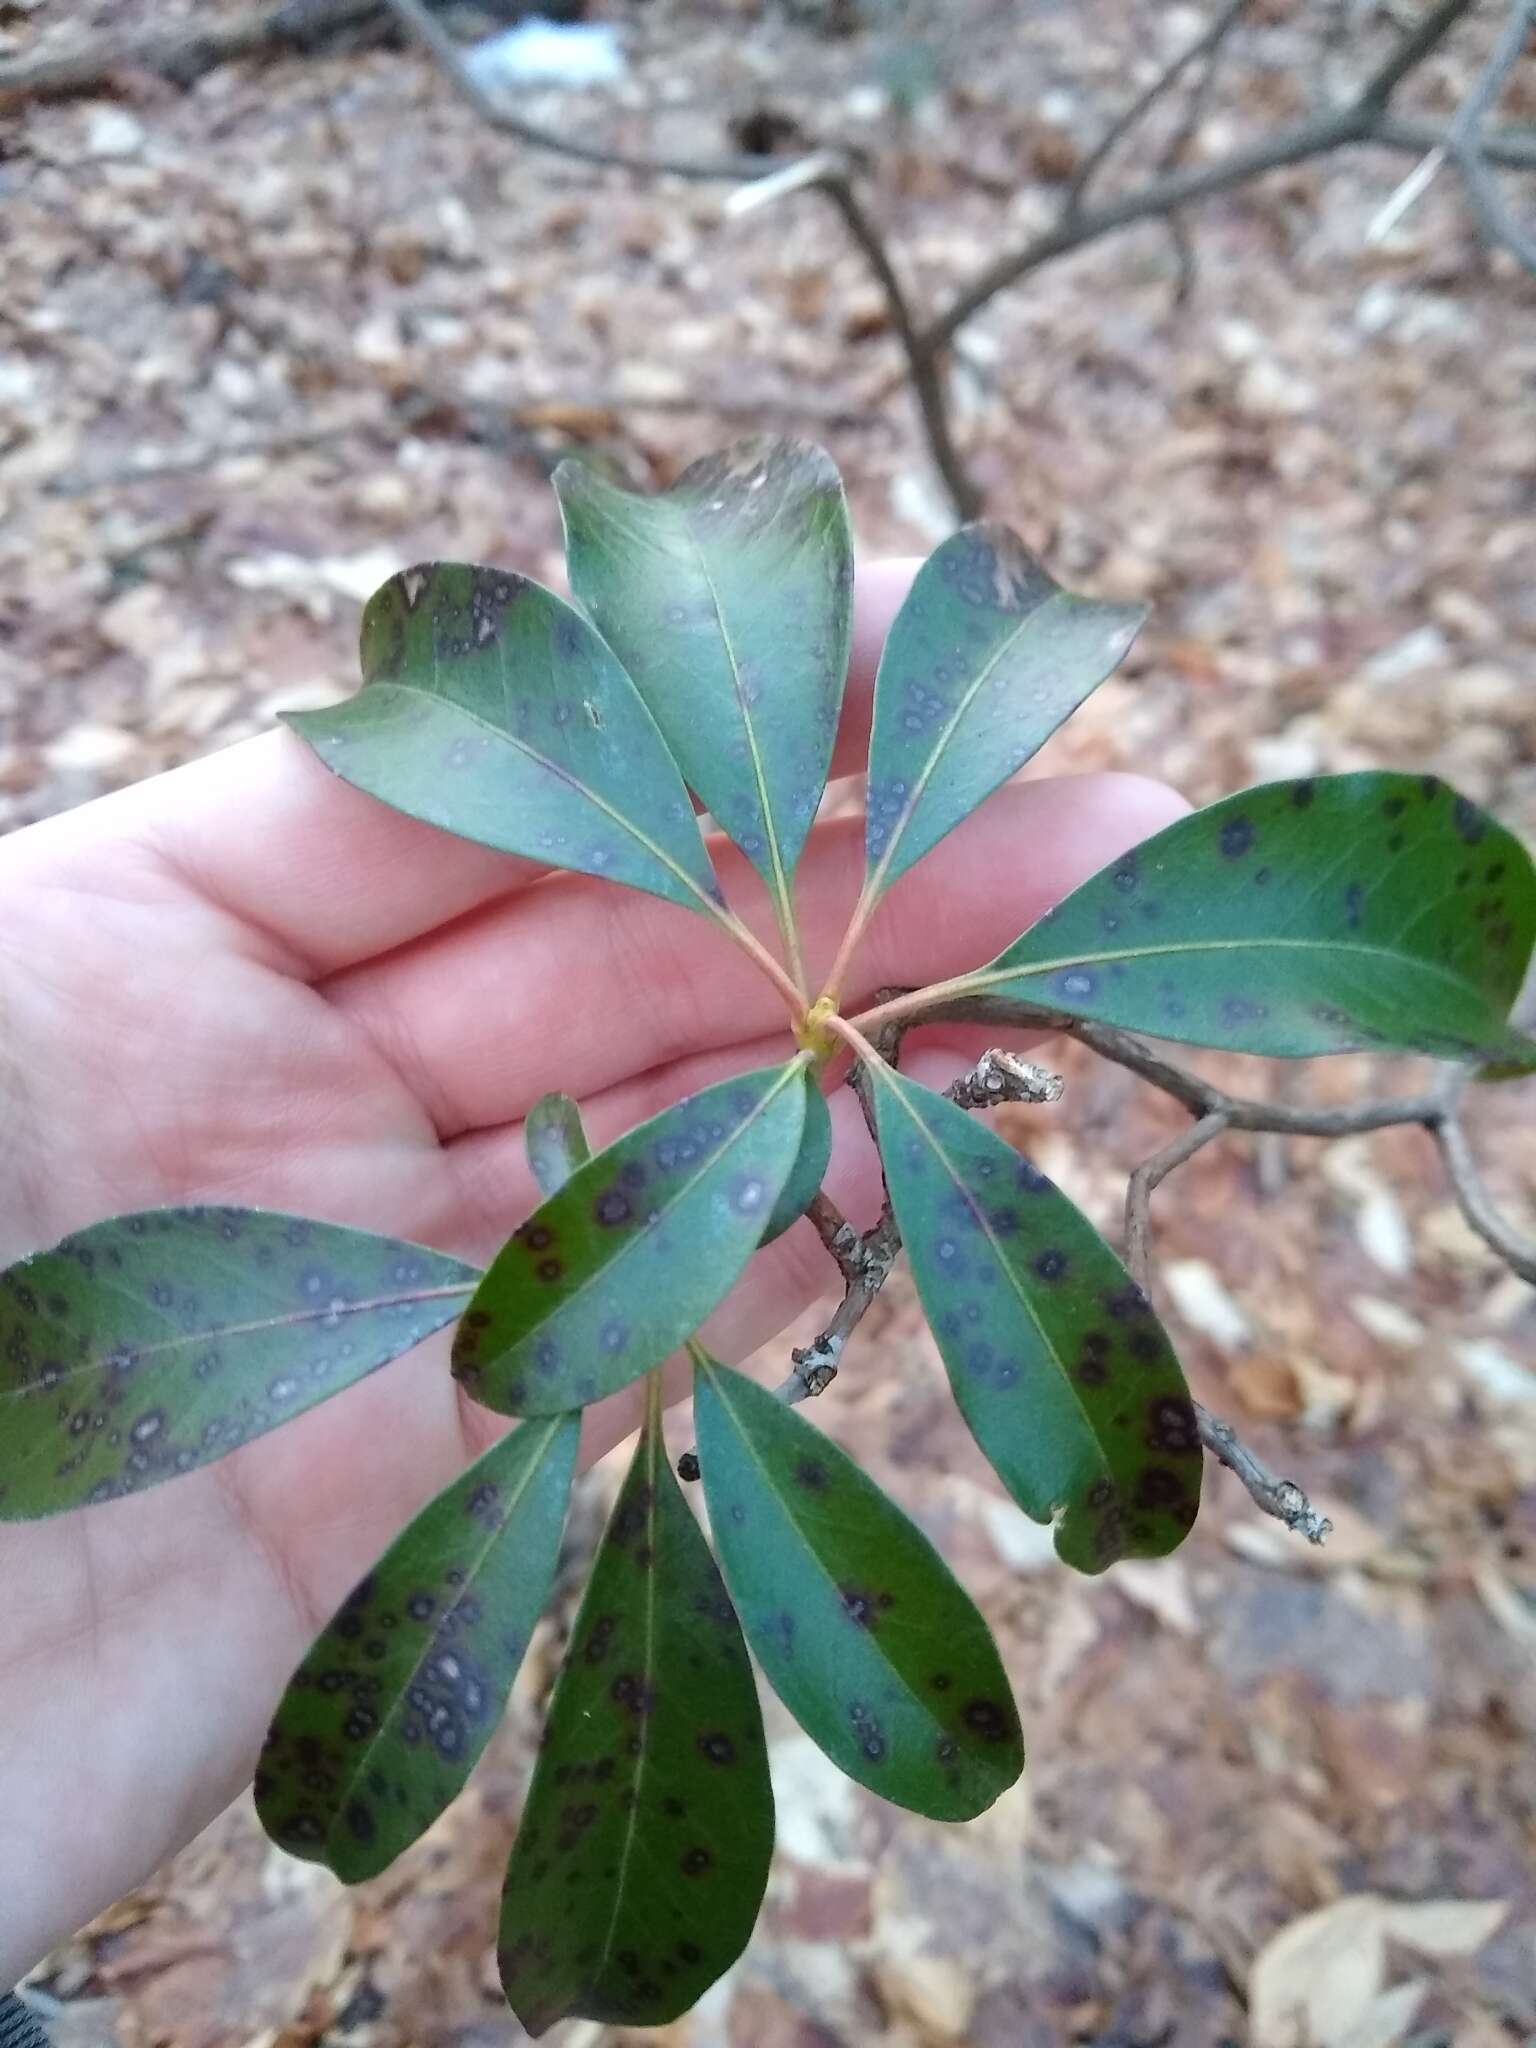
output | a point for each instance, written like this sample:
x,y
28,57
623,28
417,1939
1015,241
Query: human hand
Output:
x,y
246,982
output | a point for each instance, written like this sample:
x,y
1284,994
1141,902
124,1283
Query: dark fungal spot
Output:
x,y
868,1732
1494,872
1469,821
360,1820
1237,836
421,1606
1395,842
484,1502
538,1237
631,1518
1108,1539
696,1861
612,1207
988,1719
941,1681
1158,1487
689,1952
1124,874
1171,1424
717,1748
1052,1264
601,1641
812,1475
631,1692
1126,1303
1239,1010
1303,792
1354,904
550,1269
1395,806
673,1807
860,1606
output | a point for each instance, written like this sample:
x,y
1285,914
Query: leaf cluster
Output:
x,y
701,668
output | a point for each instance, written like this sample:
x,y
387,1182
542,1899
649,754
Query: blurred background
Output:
x,y
282,310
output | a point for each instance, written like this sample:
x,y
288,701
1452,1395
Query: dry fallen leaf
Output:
x,y
1321,1982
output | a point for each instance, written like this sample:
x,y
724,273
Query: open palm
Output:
x,y
246,982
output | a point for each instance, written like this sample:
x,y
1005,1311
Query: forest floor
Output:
x,y
266,340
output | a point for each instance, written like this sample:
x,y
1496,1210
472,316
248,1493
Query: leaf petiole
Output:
x,y
756,951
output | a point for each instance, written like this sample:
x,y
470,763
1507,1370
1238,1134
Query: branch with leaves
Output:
x,y
700,667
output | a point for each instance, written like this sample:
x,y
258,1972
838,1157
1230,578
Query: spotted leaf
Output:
x,y
492,709
384,1719
1352,911
556,1142
643,1851
727,599
1062,1371
157,1342
810,1167
614,1270
987,656
857,1622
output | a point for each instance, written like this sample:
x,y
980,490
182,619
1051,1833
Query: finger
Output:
x,y
320,875
446,1011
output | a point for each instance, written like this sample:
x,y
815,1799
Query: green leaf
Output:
x,y
1062,1371
857,1622
810,1167
727,598
616,1269
157,1342
492,709
382,1722
556,1142
1354,911
986,658
643,1851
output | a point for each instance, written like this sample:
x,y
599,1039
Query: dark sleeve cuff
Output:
x,y
18,2028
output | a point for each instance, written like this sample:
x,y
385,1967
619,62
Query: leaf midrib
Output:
x,y
780,884
605,1269
988,977
1107,1470
227,1330
651,1441
537,1455
1031,618
563,774
717,1380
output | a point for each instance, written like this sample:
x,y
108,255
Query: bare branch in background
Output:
x,y
1205,46
1364,119
1463,144
830,174
492,109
